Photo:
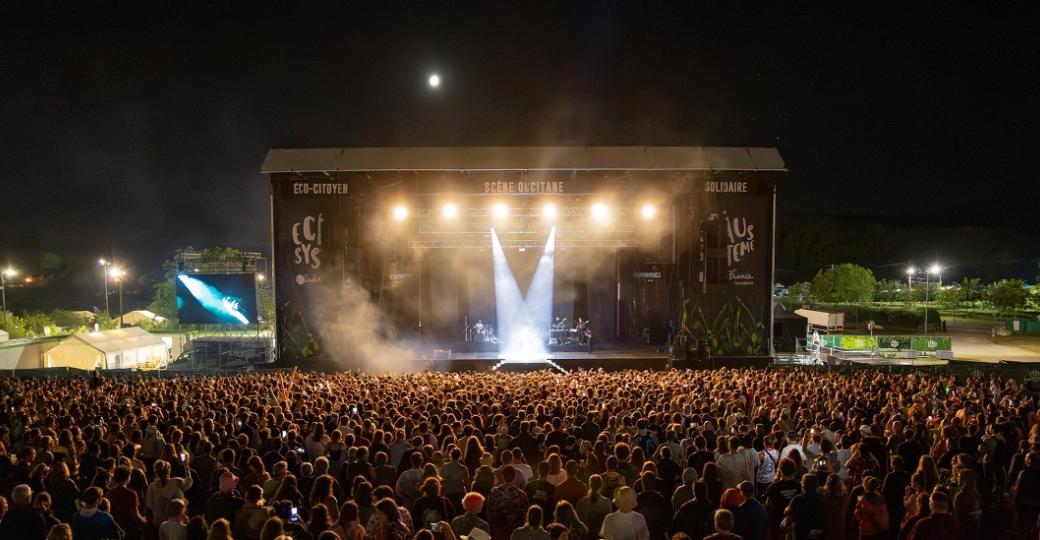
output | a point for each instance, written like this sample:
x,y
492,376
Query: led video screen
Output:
x,y
216,299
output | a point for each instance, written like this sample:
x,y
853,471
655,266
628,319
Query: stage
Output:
x,y
612,359
442,247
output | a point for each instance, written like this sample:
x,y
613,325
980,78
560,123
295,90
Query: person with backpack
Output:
x,y
645,438
92,523
769,457
153,444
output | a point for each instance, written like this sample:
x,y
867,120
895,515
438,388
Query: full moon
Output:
x,y
435,80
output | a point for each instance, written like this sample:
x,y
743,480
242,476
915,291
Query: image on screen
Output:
x,y
216,299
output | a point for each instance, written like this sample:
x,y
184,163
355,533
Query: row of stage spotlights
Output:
x,y
598,211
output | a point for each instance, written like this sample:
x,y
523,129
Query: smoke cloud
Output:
x,y
361,336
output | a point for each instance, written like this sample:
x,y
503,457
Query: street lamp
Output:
x,y
104,272
935,269
118,274
7,273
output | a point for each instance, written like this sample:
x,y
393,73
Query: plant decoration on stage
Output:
x,y
300,340
733,330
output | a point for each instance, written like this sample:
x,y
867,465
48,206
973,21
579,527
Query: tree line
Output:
x,y
850,283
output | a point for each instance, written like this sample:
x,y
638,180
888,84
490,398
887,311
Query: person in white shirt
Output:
x,y
164,490
520,466
272,484
175,528
734,465
625,524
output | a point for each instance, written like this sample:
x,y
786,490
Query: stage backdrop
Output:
x,y
315,236
729,287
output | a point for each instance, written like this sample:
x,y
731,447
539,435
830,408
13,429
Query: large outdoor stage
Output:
x,y
520,253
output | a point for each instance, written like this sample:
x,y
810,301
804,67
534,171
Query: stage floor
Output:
x,y
614,358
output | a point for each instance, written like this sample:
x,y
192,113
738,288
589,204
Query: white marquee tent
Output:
x,y
123,348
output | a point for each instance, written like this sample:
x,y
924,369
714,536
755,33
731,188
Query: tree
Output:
x,y
67,320
1006,295
925,291
31,324
105,320
972,288
801,291
952,296
164,298
844,283
890,290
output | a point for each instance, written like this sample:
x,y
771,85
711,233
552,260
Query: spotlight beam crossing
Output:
x,y
523,324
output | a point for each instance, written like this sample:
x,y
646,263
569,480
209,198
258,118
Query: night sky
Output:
x,y
131,132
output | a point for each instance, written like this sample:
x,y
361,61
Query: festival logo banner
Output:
x,y
310,231
730,230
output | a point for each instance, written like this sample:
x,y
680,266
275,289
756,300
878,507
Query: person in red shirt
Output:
x,y
126,505
871,511
940,525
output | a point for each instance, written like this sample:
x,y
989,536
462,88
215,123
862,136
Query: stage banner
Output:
x,y
531,183
314,237
730,231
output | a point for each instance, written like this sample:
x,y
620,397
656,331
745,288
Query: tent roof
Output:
x,y
529,158
145,313
120,339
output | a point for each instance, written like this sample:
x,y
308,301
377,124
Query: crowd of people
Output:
x,y
629,455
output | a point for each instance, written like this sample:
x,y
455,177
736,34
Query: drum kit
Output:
x,y
481,333
559,334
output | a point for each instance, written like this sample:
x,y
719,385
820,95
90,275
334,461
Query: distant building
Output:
x,y
138,316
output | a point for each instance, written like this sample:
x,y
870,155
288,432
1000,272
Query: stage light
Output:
x,y
648,211
549,211
434,80
450,211
600,212
400,212
499,210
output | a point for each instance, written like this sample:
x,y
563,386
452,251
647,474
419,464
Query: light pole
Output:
x,y
937,270
910,285
118,274
104,272
8,272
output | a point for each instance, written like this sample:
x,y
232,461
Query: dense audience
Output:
x,y
633,455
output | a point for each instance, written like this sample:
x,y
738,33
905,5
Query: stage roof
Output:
x,y
529,158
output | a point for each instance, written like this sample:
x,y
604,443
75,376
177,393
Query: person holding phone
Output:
x,y
388,523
